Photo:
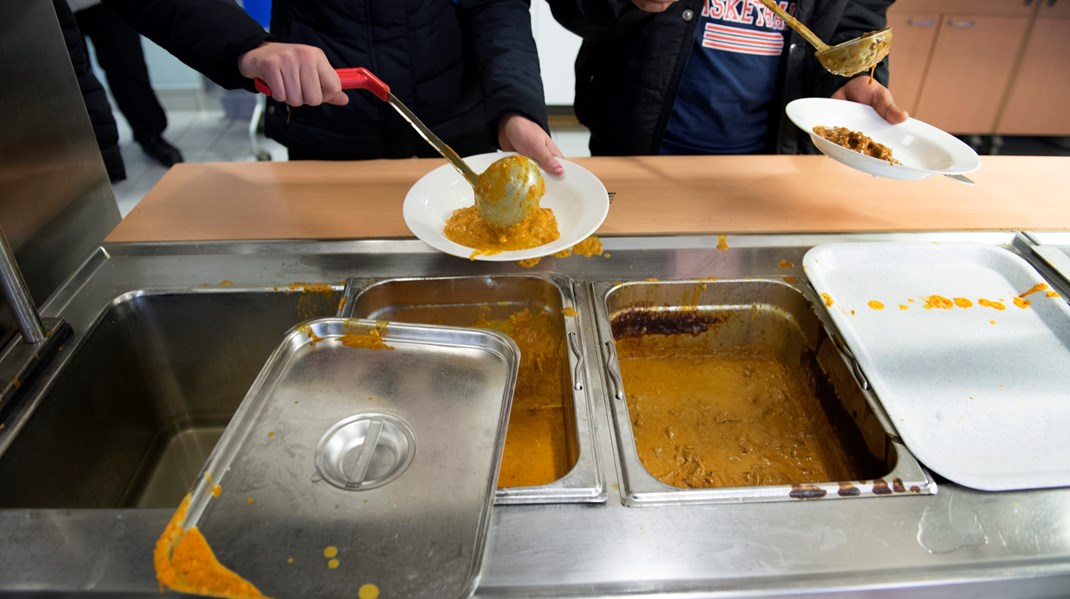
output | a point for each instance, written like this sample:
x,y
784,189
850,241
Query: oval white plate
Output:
x,y
578,199
921,149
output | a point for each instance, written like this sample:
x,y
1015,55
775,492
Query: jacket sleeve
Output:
x,y
507,60
207,35
859,17
597,20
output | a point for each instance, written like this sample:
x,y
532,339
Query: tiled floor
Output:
x,y
209,136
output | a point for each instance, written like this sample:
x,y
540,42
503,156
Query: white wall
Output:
x,y
557,55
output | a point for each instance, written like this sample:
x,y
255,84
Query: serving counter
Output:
x,y
191,292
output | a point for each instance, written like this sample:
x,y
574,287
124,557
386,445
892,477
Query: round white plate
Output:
x,y
921,149
578,199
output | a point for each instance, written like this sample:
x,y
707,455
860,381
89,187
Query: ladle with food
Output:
x,y
862,53
506,193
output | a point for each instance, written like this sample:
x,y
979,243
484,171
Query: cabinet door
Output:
x,y
972,63
1037,104
913,35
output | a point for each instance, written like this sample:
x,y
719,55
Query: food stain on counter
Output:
x,y
368,591
184,562
991,304
876,305
722,242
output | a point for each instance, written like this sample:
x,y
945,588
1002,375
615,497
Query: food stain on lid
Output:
x,y
903,307
333,563
249,500
330,551
992,322
991,304
372,340
963,302
308,332
722,242
184,562
785,264
1051,294
1021,303
827,298
271,434
368,591
226,283
876,305
791,280
938,301
217,490
569,311
1034,289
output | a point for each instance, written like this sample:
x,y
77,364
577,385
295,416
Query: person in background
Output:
x,y
95,98
468,68
120,56
710,76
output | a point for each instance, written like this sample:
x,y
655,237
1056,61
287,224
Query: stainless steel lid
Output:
x,y
364,456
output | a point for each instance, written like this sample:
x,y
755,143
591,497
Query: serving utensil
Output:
x,y
508,191
849,58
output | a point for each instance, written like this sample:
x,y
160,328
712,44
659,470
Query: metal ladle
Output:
x,y
849,58
507,192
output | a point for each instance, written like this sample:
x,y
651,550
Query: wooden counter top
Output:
x,y
654,195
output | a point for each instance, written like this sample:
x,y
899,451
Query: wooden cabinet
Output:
x,y
983,66
1038,100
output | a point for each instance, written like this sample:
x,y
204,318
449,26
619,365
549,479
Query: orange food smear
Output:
x,y
368,591
876,305
530,262
937,301
185,563
1051,294
963,302
902,306
827,298
569,312
373,339
217,490
592,246
722,242
1021,303
226,283
467,228
792,280
785,264
991,304
1035,289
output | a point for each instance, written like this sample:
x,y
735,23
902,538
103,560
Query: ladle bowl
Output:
x,y
848,58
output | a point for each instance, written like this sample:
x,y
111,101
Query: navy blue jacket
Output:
x,y
630,63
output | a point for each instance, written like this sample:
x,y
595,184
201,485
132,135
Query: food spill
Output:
x,y
316,299
991,304
785,264
1021,303
827,298
538,227
569,311
938,301
707,415
368,591
963,302
876,305
184,562
722,242
217,490
330,551
1034,289
529,263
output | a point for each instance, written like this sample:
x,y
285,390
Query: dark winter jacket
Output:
x,y
629,66
458,66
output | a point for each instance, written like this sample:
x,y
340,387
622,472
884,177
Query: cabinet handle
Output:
x,y
921,22
957,24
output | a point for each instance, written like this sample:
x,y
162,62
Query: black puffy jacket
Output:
x,y
630,63
458,64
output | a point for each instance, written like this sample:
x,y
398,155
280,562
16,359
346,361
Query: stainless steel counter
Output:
x,y
956,542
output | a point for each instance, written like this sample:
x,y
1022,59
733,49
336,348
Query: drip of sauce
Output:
x,y
876,305
467,228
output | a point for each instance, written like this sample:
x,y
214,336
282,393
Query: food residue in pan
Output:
x,y
857,141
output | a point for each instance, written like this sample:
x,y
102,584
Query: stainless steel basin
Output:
x,y
143,398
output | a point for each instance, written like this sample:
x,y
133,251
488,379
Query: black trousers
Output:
x,y
119,54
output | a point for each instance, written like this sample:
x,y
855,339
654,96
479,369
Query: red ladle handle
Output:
x,y
353,78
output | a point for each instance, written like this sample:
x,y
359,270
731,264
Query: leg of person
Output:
x,y
119,53
96,101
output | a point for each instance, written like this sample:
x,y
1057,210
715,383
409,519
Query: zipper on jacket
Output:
x,y
687,46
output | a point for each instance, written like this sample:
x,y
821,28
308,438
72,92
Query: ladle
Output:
x,y
849,58
505,193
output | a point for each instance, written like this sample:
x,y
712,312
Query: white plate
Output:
x,y
921,149
577,198
979,395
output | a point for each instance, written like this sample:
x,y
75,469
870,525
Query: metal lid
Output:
x,y
365,454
